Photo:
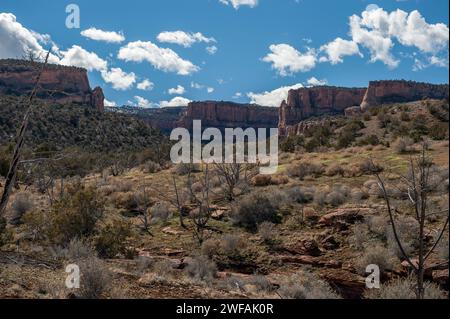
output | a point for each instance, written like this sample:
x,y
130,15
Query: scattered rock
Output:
x,y
347,284
305,247
347,215
171,231
330,243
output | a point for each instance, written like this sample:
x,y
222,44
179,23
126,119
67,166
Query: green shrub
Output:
x,y
114,239
254,209
75,216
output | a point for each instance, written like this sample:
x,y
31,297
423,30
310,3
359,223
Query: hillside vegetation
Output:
x,y
223,231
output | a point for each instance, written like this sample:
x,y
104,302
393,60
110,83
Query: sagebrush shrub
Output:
x,y
95,278
375,255
305,285
22,204
114,239
404,289
303,169
254,209
75,216
202,268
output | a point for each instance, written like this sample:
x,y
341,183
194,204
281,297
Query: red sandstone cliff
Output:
x,y
59,84
306,102
227,114
384,92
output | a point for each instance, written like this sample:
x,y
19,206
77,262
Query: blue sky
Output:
x,y
256,47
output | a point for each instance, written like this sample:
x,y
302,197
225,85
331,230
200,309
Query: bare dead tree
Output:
x,y
177,199
234,175
32,56
20,141
202,214
144,203
419,185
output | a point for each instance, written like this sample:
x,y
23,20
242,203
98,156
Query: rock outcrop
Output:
x,y
58,84
306,102
227,114
384,92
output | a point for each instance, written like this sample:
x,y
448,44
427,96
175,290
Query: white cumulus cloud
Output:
x,y
145,85
109,103
185,39
287,60
162,59
377,29
101,35
272,98
17,41
316,82
142,102
337,49
179,90
176,101
77,56
119,79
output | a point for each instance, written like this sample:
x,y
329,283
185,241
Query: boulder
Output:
x,y
347,215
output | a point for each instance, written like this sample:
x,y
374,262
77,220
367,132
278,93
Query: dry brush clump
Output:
x,y
115,238
304,169
254,209
201,269
95,279
75,216
306,285
22,204
404,288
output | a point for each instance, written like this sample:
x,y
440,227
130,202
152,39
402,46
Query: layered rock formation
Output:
x,y
227,114
384,92
306,102
59,84
316,101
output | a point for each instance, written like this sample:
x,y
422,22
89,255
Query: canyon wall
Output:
x,y
316,101
304,103
58,84
385,92
227,114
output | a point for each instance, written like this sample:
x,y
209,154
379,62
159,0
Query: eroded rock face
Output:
x,y
306,102
384,92
59,84
223,115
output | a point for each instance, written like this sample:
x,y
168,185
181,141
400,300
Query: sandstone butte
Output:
x,y
316,101
59,84
228,114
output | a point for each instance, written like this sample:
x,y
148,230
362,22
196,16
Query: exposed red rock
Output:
x,y
58,84
383,92
228,114
306,102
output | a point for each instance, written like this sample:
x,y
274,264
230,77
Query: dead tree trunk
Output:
x,y
419,187
12,173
